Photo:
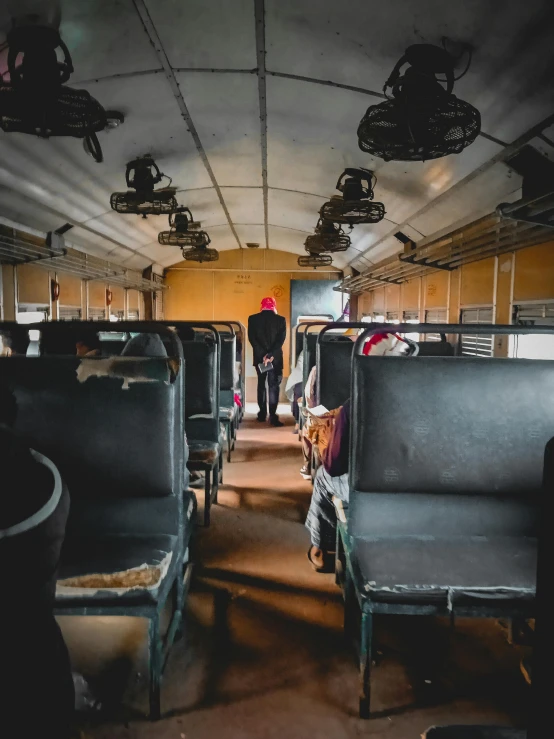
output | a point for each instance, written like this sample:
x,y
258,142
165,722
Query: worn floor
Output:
x,y
264,656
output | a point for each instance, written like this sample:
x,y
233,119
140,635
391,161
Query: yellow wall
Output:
x,y
233,287
500,282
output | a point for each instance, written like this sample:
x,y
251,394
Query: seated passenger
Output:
x,y
331,481
37,695
293,389
88,344
144,345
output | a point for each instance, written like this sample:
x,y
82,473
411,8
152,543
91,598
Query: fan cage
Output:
x,y
201,254
183,238
70,113
394,131
159,202
320,243
352,212
324,260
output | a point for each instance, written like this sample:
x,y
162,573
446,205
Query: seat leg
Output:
x,y
207,496
155,667
366,637
215,481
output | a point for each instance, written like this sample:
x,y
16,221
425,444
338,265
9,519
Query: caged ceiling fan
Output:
x,y
315,260
184,231
142,175
421,119
35,100
328,237
201,254
356,204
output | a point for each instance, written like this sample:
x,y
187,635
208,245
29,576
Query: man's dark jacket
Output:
x,y
267,333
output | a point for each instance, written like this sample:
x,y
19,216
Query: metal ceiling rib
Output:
x,y
18,250
152,33
259,16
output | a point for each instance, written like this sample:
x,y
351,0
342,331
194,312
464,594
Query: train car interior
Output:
x,y
276,368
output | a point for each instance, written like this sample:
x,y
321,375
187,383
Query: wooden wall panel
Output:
x,y
190,295
379,300
33,284
97,294
392,298
534,273
70,290
365,304
503,301
8,292
118,298
477,286
435,290
410,295
133,297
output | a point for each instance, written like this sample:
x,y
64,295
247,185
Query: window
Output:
x,y
69,313
133,315
97,314
30,313
475,345
411,316
532,346
392,317
438,315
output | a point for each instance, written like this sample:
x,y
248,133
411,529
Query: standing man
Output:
x,y
267,333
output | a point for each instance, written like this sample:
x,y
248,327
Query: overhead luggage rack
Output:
x,y
489,236
19,250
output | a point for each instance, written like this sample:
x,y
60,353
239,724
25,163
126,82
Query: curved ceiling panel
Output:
x,y
213,120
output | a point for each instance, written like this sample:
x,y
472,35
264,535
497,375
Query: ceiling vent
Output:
x,y
36,100
421,119
201,254
314,260
356,204
252,245
184,231
328,237
142,175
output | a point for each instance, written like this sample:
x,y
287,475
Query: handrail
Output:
x,y
355,324
481,329
139,327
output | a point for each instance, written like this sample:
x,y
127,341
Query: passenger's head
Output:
x,y
5,345
144,345
269,304
86,343
385,344
8,407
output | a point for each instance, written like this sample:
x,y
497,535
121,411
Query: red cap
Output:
x,y
269,304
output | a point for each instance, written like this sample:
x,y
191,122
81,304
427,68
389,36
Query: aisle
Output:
x,y
264,656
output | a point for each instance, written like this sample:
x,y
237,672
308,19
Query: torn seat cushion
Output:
x,y
110,569
226,413
470,570
203,452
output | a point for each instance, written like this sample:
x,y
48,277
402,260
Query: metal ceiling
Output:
x,y
252,107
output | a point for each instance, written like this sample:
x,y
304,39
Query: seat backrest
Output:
x,y
309,346
435,349
113,427
201,389
334,367
444,446
227,364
